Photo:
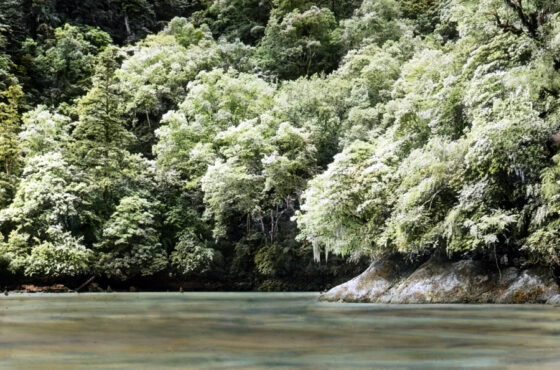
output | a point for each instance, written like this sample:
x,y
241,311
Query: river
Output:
x,y
265,330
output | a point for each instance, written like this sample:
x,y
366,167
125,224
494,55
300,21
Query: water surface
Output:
x,y
261,330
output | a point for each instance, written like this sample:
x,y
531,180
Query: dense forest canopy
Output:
x,y
234,140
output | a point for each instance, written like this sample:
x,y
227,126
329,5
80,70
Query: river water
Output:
x,y
265,330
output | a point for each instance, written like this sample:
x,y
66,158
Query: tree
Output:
x,y
319,106
11,31
216,101
10,125
44,132
299,43
262,170
345,207
50,208
340,8
129,245
154,79
10,122
100,138
237,19
191,257
517,16
64,65
374,21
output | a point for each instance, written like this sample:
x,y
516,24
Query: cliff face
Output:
x,y
440,281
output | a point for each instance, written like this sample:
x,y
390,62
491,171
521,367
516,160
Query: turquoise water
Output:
x,y
262,330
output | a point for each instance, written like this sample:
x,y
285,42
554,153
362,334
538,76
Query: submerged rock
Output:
x,y
443,281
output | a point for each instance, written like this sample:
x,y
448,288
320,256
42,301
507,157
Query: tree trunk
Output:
x,y
126,25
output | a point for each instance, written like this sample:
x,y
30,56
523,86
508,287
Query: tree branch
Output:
x,y
529,21
506,26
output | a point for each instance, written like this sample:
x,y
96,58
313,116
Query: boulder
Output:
x,y
534,285
442,281
438,282
380,276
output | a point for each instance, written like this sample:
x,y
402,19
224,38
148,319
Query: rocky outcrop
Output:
x,y
443,281
369,286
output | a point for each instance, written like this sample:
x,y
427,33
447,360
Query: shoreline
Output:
x,y
443,281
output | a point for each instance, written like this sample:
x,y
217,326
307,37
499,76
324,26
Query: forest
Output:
x,y
274,144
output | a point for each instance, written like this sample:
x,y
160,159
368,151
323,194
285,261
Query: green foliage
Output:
x,y
341,8
191,257
15,251
230,189
51,201
455,160
233,144
259,171
215,101
237,19
99,139
340,208
44,131
186,33
63,257
271,260
299,43
425,14
130,242
65,64
319,106
374,22
124,20
155,79
10,14
11,23
10,121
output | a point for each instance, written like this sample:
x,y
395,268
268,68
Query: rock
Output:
x,y
438,282
56,288
535,285
555,300
94,287
367,287
443,281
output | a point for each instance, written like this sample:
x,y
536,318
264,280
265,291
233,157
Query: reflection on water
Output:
x,y
261,330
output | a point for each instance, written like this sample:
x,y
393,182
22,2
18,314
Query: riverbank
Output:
x,y
163,283
443,281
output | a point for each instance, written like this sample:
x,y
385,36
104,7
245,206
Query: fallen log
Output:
x,y
85,284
